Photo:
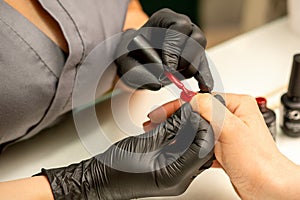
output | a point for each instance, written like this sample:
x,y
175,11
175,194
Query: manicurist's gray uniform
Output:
x,y
37,77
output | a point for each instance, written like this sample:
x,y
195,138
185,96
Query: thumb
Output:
x,y
223,121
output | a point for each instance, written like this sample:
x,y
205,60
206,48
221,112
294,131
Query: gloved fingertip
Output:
x,y
198,36
206,85
209,163
152,86
203,153
220,98
204,89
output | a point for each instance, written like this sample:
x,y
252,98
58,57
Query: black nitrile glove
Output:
x,y
178,41
161,162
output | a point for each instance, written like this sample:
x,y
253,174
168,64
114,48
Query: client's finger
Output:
x,y
222,120
148,126
216,164
161,113
240,105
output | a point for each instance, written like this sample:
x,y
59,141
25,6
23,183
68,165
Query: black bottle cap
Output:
x,y
294,85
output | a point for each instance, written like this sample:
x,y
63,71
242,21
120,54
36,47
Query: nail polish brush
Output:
x,y
149,54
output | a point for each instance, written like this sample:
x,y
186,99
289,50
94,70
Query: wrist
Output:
x,y
33,188
290,182
282,180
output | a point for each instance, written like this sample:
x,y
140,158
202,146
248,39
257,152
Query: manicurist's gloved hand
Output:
x,y
179,42
161,162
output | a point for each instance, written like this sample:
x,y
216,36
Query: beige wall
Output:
x,y
220,12
224,19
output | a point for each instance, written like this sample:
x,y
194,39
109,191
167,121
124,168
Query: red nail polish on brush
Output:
x,y
150,55
186,94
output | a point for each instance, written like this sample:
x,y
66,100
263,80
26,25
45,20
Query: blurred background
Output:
x,y
223,19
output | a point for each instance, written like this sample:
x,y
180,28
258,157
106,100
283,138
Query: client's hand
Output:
x,y
244,146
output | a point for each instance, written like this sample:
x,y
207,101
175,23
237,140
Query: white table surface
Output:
x,y
256,63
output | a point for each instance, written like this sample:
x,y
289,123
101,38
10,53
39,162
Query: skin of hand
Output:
x,y
244,147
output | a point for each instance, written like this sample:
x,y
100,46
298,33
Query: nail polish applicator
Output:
x,y
149,54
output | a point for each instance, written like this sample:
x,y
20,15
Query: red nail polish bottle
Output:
x,y
268,114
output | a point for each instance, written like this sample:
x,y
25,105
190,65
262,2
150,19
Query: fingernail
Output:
x,y
153,111
147,123
148,126
157,115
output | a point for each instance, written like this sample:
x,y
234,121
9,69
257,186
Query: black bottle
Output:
x,y
290,102
268,114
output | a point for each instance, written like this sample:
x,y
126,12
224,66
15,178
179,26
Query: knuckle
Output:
x,y
184,21
248,99
199,36
249,102
165,10
231,119
179,22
